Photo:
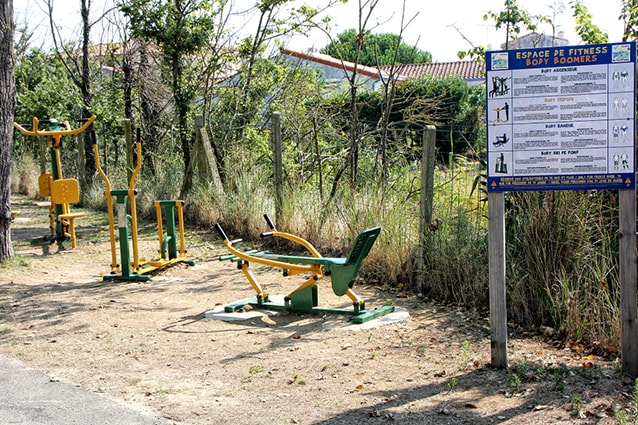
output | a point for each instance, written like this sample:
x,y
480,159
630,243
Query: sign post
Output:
x,y
563,118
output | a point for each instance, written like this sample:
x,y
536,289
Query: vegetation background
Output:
x,y
351,156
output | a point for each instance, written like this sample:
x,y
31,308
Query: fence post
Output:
x,y
498,304
427,196
629,327
203,156
278,164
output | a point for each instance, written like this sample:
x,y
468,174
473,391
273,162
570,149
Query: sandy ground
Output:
x,y
155,346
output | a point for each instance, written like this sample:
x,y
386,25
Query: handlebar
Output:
x,y
93,137
221,231
35,131
224,237
269,222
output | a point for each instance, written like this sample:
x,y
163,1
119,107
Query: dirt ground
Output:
x,y
151,345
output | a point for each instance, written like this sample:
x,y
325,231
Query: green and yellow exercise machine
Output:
x,y
136,269
61,191
304,298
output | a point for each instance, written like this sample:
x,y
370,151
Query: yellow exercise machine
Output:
x,y
138,269
62,192
342,272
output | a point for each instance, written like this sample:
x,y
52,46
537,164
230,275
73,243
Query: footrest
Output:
x,y
357,317
231,257
73,215
255,302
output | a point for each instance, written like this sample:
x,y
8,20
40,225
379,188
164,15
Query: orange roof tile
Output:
x,y
328,60
463,69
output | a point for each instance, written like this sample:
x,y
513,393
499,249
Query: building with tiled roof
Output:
x,y
473,73
334,70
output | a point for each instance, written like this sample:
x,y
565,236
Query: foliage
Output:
x,y
181,29
376,49
513,19
562,261
44,89
449,104
476,53
629,15
585,28
307,128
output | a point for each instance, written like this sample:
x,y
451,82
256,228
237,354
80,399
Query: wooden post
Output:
x,y
498,304
427,175
203,155
427,196
278,164
629,327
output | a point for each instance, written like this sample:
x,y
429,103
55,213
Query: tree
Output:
x,y
181,29
388,49
79,71
629,15
7,105
44,88
241,100
376,49
514,19
585,28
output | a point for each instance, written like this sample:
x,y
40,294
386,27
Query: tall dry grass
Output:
x,y
24,176
562,261
562,247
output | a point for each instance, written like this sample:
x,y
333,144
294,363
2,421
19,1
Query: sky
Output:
x,y
440,27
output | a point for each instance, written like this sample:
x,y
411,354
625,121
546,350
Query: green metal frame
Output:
x,y
342,272
131,268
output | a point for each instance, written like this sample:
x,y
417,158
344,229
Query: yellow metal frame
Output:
x,y
56,135
132,197
290,269
66,191
138,266
109,206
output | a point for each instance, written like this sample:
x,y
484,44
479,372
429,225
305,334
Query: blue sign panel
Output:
x,y
561,118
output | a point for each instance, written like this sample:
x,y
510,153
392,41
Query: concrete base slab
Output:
x,y
331,321
220,314
337,322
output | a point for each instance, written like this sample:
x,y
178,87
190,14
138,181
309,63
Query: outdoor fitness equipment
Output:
x,y
342,271
62,192
138,270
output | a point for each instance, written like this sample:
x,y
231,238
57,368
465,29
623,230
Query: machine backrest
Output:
x,y
65,191
44,184
362,245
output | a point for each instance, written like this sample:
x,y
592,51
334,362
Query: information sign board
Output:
x,y
561,118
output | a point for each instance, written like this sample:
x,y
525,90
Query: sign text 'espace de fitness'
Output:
x,y
561,118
